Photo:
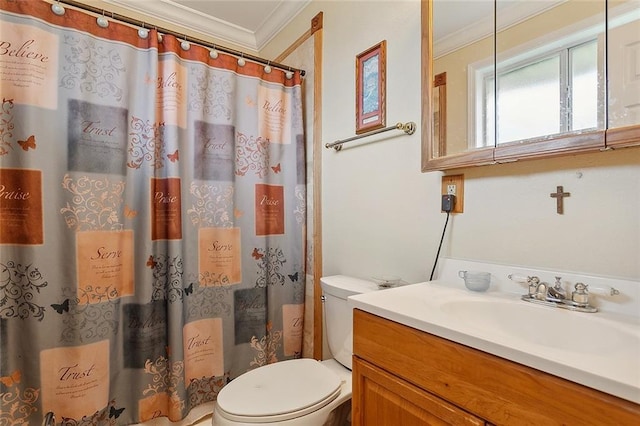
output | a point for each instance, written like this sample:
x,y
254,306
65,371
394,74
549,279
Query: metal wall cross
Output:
x,y
559,196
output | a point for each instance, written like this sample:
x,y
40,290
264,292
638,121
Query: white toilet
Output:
x,y
300,391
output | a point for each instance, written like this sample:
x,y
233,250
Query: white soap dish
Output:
x,y
388,281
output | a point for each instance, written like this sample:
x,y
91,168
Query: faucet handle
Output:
x,y
523,278
581,294
518,278
532,282
604,291
558,283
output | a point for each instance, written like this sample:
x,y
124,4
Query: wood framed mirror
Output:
x,y
527,79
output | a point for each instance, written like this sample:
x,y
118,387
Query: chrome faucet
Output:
x,y
557,292
543,293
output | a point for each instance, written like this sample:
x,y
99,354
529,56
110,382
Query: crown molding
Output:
x,y
482,28
180,16
279,18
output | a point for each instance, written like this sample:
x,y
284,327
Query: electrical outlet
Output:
x,y
454,185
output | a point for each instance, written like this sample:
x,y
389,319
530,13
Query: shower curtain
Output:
x,y
152,218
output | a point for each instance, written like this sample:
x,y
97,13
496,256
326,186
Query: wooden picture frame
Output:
x,y
371,88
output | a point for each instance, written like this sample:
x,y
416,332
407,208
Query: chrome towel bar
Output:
x,y
409,128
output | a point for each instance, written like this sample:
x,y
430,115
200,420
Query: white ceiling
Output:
x,y
249,24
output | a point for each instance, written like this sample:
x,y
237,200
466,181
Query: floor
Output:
x,y
204,421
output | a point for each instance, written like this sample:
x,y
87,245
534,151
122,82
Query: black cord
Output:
x,y
439,247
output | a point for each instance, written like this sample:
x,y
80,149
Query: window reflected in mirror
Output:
x,y
548,94
549,68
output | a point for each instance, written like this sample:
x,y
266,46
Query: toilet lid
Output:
x,y
280,391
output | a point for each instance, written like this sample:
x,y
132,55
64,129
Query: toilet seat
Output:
x,y
279,391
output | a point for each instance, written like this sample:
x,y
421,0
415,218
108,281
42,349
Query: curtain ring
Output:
x,y
143,32
267,68
213,53
289,74
241,60
158,34
185,44
102,21
57,8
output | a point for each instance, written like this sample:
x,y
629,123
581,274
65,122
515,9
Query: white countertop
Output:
x,y
610,364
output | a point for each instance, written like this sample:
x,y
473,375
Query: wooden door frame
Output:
x,y
316,32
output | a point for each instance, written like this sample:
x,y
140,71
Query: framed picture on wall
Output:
x,y
371,88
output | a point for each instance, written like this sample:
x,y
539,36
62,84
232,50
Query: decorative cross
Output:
x,y
559,196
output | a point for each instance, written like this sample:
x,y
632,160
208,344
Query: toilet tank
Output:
x,y
338,316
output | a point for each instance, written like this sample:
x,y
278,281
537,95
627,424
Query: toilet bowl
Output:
x,y
299,392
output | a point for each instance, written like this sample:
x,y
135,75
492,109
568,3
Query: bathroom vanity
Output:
x,y
420,360
405,376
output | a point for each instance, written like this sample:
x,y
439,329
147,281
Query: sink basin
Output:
x,y
600,350
547,326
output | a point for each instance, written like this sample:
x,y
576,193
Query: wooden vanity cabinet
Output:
x,y
403,376
385,399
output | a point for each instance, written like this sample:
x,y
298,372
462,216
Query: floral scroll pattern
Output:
x,y
266,347
18,284
211,279
90,314
95,204
212,205
167,278
17,405
6,126
146,144
167,377
252,154
270,266
211,302
300,210
107,416
213,93
205,389
93,67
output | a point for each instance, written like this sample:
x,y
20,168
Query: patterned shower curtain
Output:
x,y
152,219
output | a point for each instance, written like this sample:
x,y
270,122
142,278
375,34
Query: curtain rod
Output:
x,y
179,36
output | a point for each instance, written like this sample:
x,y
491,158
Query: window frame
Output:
x,y
480,72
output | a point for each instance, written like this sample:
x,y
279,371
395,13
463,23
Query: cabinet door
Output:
x,y
380,399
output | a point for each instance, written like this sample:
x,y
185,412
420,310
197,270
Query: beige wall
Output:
x,y
381,215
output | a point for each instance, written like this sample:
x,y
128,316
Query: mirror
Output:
x,y
463,47
515,79
623,69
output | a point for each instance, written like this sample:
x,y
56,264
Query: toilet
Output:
x,y
300,391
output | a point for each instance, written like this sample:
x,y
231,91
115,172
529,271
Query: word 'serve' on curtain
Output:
x,y
152,219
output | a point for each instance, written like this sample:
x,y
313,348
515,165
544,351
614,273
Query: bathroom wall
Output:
x,y
381,215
